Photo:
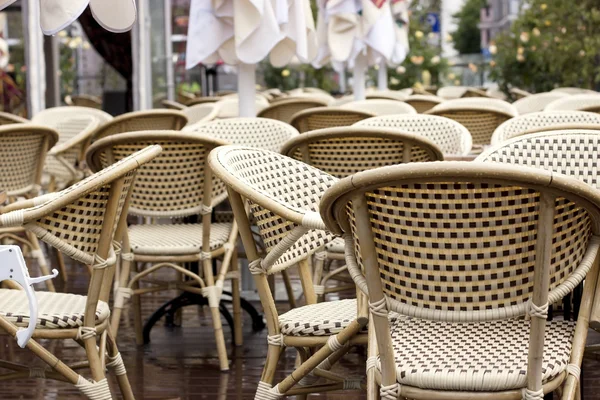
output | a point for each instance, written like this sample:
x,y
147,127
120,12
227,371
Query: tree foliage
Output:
x,y
467,37
553,43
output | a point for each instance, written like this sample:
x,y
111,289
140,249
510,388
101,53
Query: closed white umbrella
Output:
x,y
244,32
56,15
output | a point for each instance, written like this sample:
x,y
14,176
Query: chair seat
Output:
x,y
55,310
481,356
175,239
320,319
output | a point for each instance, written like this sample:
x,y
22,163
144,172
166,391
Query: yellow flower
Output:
x,y
417,60
581,53
394,81
520,51
524,37
563,30
492,63
457,82
493,49
418,34
376,67
533,48
285,73
451,76
448,37
400,69
536,32
62,34
473,67
547,23
556,39
431,35
435,60
418,85
520,58
543,6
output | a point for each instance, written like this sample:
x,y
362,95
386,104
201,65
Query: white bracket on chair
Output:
x,y
13,267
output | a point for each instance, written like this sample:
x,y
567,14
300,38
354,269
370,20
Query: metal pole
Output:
x,y
52,68
382,76
34,57
342,78
247,90
169,51
360,69
142,63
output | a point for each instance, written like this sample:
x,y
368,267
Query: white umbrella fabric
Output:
x,y
244,32
56,15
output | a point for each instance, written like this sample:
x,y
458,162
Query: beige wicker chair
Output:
x,y
574,90
541,120
173,105
480,116
342,100
52,116
536,102
449,136
201,113
576,102
201,100
326,117
422,103
229,107
84,100
344,151
380,107
285,109
7,119
261,133
283,196
466,251
151,120
176,184
451,92
325,97
519,93
82,222
386,95
474,92
23,150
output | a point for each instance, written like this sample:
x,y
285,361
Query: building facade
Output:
x,y
497,16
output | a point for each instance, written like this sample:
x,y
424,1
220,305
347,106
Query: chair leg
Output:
x,y
122,292
116,363
41,259
268,374
137,314
372,386
213,302
237,308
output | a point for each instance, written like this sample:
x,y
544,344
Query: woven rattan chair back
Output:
x,y
173,105
87,101
229,107
172,185
536,102
577,102
422,103
327,117
52,116
474,92
574,90
347,150
565,151
283,195
466,243
7,119
261,133
480,116
23,150
201,113
386,95
380,107
284,110
324,97
448,135
202,100
151,120
518,94
539,120
451,92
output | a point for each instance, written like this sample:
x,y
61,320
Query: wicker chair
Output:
x,y
7,119
176,184
23,150
576,102
542,120
422,103
52,116
474,92
344,151
230,107
151,120
342,100
386,95
536,102
507,242
201,100
480,116
574,90
283,196
324,97
449,136
451,92
261,133
201,113
173,105
519,93
380,107
84,101
81,221
285,109
327,117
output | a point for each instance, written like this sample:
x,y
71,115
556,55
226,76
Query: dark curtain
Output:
x,y
115,48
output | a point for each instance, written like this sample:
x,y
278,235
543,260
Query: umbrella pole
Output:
x,y
382,76
247,90
342,78
359,81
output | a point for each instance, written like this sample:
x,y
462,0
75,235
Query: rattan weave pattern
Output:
x,y
284,110
262,133
286,182
56,310
327,117
380,107
318,319
480,124
578,102
152,120
484,356
524,123
450,136
422,103
431,236
537,102
7,118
